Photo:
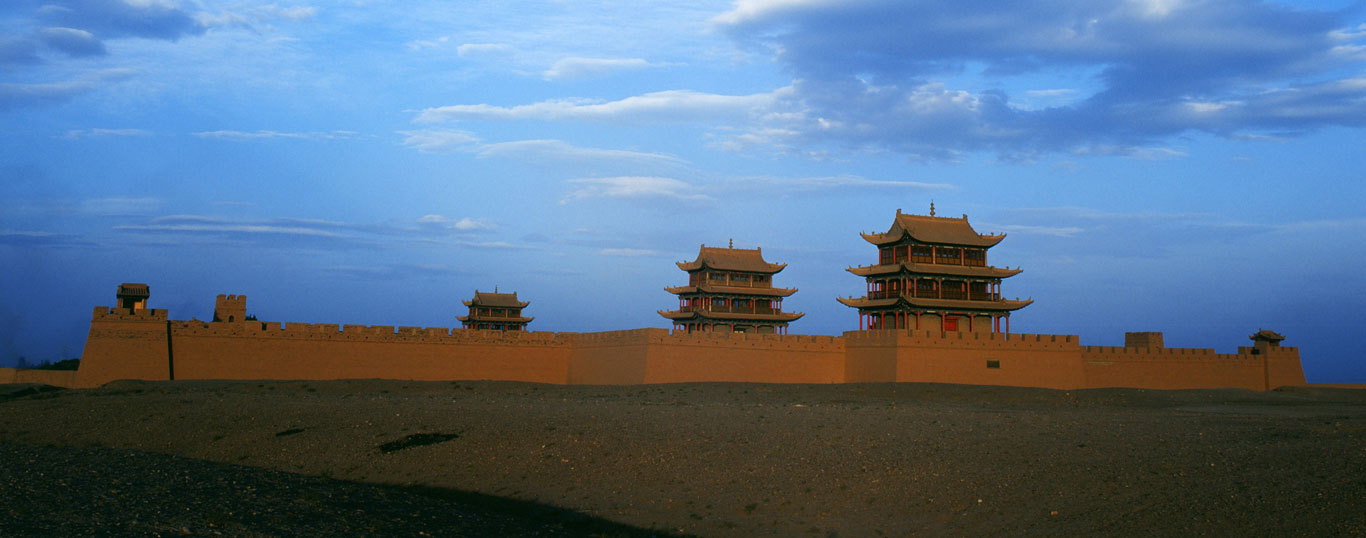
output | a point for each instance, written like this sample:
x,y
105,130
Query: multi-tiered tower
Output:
x,y
730,290
932,273
495,311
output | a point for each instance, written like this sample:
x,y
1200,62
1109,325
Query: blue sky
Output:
x,y
1159,165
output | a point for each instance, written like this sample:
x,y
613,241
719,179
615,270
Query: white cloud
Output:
x,y
482,49
560,150
747,10
14,94
630,252
901,77
1051,93
267,134
634,187
122,205
1055,231
293,13
468,225
202,224
465,224
440,140
844,182
579,68
530,151
245,16
428,43
76,134
665,106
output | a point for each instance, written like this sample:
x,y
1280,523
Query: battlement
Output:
x,y
104,313
366,333
961,339
793,342
1140,352
1245,353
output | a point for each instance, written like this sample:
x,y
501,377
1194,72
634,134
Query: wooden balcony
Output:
x,y
758,309
954,294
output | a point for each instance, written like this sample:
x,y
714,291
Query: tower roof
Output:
x,y
496,299
130,289
930,229
731,259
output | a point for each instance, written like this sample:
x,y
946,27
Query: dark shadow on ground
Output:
x,y
68,491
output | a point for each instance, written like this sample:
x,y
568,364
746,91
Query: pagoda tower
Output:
x,y
932,273
730,290
495,311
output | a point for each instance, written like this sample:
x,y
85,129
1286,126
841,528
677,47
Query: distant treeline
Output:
x,y
65,364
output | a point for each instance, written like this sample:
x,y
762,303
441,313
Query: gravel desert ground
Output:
x,y
714,459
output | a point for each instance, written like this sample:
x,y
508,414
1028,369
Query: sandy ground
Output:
x,y
719,459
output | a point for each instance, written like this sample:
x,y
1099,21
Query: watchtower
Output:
x,y
933,268
133,296
495,311
1264,340
230,308
730,290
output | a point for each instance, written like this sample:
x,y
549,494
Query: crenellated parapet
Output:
x,y
786,342
965,340
1244,353
104,313
366,333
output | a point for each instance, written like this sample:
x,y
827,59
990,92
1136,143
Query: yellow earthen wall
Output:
x,y
609,358
56,378
134,346
1176,368
744,357
124,345
254,350
1026,360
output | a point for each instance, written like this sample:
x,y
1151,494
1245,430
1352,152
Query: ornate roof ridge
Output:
x,y
731,259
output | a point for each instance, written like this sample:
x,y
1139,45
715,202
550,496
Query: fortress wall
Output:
x,y
1023,360
124,345
743,357
611,358
56,378
1180,368
870,356
145,345
256,350
1283,366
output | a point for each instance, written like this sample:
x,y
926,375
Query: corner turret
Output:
x,y
230,308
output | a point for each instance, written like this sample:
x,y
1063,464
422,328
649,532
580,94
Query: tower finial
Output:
x,y
732,243
931,208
